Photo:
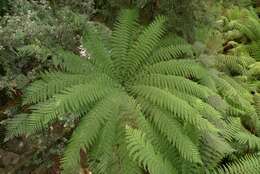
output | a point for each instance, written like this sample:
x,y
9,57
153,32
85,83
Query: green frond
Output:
x,y
17,126
73,63
166,123
191,168
254,49
254,71
253,25
239,50
172,39
70,100
104,149
233,34
232,96
247,138
248,164
141,149
40,52
186,68
99,54
127,164
257,104
87,131
170,52
213,149
171,82
159,142
257,128
243,92
233,64
235,24
144,45
122,38
179,108
187,166
231,128
206,110
50,84
218,103
235,112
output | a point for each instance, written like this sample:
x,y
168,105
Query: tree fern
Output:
x,y
138,102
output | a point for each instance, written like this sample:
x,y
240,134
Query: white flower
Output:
x,y
82,51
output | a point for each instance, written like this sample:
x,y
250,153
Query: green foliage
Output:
x,y
246,22
80,6
4,5
144,104
184,16
249,164
240,3
30,37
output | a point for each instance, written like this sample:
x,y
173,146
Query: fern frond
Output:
x,y
159,142
142,150
246,138
179,108
127,164
235,24
170,82
206,110
70,100
231,128
169,53
73,63
86,133
239,88
167,124
232,97
143,47
98,52
234,64
105,148
254,49
50,84
172,39
235,112
254,71
257,104
248,164
186,68
17,126
122,38
191,168
213,149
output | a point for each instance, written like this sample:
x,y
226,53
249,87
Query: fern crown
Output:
x,y
138,101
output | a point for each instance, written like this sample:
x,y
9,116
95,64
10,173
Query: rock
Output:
x,y
2,170
8,158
